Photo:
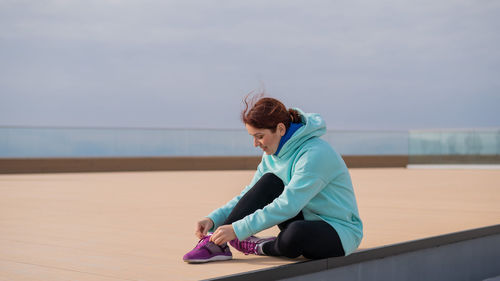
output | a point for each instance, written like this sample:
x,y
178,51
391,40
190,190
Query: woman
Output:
x,y
302,185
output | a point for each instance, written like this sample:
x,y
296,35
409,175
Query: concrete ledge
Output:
x,y
455,166
454,159
375,161
473,254
71,165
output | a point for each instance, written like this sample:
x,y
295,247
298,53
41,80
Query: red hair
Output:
x,y
266,113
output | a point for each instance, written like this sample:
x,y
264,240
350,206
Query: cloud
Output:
x,y
387,57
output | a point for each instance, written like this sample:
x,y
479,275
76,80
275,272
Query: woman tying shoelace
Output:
x,y
302,185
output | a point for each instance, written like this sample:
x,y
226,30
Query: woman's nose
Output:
x,y
255,142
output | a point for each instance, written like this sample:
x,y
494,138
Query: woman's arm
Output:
x,y
219,215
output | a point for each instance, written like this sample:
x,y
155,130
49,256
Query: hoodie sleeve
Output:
x,y
219,215
311,173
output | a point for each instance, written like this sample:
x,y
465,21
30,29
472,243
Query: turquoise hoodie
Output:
x,y
317,183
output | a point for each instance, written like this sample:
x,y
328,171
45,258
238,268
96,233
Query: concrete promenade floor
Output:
x,y
137,225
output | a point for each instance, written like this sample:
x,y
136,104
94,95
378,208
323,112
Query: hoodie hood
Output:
x,y
313,126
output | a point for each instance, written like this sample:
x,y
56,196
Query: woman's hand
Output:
x,y
223,234
202,227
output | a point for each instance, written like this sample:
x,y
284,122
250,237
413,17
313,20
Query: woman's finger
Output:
x,y
218,240
214,235
198,231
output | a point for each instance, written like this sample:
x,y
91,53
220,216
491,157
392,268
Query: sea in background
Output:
x,y
52,142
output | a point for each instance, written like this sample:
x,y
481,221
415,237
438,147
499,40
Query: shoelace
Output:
x,y
249,246
200,243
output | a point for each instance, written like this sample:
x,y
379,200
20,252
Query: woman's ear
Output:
x,y
281,129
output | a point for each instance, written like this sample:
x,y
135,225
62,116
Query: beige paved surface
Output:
x,y
137,226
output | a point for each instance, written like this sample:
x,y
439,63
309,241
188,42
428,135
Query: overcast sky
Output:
x,y
386,64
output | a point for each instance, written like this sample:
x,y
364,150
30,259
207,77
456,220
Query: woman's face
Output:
x,y
266,139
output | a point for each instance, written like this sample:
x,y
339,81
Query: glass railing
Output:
x,y
92,142
455,142
420,146
369,142
19,142
454,146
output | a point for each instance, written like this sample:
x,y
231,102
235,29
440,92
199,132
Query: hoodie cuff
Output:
x,y
242,230
217,218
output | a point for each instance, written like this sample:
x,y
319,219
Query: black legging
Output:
x,y
312,239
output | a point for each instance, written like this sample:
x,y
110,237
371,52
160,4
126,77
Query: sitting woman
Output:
x,y
301,185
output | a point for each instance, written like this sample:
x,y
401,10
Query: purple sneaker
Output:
x,y
249,245
206,251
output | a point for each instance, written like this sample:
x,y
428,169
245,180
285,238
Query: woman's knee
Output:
x,y
270,183
296,228
272,179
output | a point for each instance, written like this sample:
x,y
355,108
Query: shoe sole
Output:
x,y
214,258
